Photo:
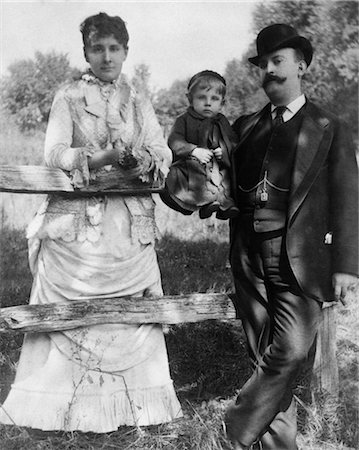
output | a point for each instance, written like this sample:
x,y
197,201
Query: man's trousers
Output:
x,y
280,323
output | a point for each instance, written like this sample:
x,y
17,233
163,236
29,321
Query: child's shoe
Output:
x,y
170,201
207,210
229,213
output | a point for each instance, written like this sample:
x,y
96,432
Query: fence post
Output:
x,y
325,380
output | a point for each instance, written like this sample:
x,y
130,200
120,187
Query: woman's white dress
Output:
x,y
100,377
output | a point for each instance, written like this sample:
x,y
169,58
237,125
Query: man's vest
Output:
x,y
265,172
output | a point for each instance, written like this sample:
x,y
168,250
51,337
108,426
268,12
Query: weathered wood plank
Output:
x,y
44,180
166,310
325,369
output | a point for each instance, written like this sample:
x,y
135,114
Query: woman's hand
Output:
x,y
103,158
202,154
218,152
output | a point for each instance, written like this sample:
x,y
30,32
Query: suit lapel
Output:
x,y
246,127
312,149
249,126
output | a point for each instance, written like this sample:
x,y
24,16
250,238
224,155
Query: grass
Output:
x,y
19,148
203,357
208,363
208,360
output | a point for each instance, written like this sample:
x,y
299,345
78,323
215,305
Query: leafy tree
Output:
x,y
169,103
28,90
332,79
244,94
141,78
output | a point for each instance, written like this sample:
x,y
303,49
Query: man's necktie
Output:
x,y
279,115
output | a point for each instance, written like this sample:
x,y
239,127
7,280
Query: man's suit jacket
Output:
x,y
323,199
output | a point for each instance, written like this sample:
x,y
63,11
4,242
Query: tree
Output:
x,y
244,94
28,90
141,78
332,79
169,103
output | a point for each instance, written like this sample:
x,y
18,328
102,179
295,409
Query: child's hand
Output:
x,y
202,154
218,152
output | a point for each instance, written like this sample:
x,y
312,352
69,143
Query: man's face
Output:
x,y
281,73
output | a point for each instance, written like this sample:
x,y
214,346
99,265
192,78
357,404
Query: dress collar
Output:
x,y
107,100
91,78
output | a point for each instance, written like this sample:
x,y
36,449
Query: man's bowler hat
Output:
x,y
278,36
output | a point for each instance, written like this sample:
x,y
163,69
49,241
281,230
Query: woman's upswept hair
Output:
x,y
102,25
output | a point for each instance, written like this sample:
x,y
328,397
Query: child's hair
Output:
x,y
102,25
206,79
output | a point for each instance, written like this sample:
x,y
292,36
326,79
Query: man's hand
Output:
x,y
202,154
218,152
342,283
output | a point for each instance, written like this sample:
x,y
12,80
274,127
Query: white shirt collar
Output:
x,y
292,108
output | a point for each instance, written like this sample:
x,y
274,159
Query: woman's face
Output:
x,y
105,56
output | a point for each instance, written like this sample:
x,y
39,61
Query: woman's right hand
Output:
x,y
202,154
103,158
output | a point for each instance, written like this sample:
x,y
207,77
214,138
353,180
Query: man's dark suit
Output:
x,y
323,199
281,314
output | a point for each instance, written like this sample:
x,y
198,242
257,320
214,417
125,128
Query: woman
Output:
x,y
100,377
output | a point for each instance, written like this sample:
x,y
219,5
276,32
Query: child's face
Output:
x,y
207,101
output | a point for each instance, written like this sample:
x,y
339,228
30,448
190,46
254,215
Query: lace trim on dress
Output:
x,y
118,407
69,219
151,170
143,223
79,219
103,114
80,174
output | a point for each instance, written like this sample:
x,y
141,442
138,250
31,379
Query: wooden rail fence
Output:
x,y
170,309
166,310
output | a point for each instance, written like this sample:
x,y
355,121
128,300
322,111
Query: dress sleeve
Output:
x,y
158,155
177,139
58,141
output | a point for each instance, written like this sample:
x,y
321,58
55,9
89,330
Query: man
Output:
x,y
295,243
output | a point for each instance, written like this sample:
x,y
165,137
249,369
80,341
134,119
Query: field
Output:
x,y
208,360
208,363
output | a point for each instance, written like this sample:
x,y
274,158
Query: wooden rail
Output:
x,y
166,310
45,180
170,309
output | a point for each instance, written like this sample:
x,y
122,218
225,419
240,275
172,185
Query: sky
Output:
x,y
175,39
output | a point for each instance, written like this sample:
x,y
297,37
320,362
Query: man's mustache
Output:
x,y
268,78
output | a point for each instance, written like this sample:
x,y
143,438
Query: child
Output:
x,y
201,140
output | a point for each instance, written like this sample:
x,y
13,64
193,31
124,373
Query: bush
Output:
x,y
28,91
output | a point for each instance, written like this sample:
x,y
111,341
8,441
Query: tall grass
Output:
x,y
19,148
208,360
208,363
17,210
